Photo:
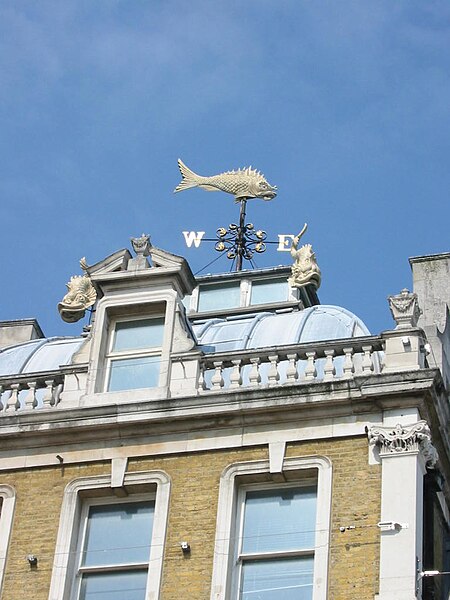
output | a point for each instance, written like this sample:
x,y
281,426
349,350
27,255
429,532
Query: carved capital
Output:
x,y
405,309
404,438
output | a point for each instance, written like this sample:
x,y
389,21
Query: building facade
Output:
x,y
226,437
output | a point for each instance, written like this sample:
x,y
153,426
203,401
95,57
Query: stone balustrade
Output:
x,y
317,361
193,373
30,391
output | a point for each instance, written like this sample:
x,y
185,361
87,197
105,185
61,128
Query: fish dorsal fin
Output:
x,y
244,171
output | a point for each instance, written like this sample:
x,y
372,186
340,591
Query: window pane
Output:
x,y
118,534
138,334
287,578
275,290
134,373
277,520
214,297
114,586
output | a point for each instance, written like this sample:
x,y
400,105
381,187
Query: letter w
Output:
x,y
192,237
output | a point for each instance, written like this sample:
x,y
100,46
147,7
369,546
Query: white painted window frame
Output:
x,y
143,304
245,286
241,474
8,503
113,355
81,490
239,557
80,570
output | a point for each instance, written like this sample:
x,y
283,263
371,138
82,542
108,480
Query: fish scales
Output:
x,y
243,183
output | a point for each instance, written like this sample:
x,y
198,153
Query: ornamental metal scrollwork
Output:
x,y
404,438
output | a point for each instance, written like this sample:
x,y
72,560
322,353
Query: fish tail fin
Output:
x,y
189,179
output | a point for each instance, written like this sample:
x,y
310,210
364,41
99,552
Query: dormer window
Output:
x,y
134,353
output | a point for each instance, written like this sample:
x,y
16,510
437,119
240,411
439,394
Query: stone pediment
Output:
x,y
162,258
117,261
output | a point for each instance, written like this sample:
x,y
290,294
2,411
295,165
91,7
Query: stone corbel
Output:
x,y
404,439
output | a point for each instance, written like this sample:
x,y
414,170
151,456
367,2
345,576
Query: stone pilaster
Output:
x,y
405,452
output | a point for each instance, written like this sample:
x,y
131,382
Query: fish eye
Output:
x,y
262,184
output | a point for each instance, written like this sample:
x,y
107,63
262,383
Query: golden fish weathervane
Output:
x,y
243,183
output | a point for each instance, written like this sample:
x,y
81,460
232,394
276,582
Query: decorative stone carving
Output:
x,y
405,309
305,269
404,438
80,296
141,245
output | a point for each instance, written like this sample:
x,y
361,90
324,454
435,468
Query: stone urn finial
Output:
x,y
405,309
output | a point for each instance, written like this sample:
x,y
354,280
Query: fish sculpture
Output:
x,y
243,183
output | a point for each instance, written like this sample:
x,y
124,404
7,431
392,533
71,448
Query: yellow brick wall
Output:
x,y
195,478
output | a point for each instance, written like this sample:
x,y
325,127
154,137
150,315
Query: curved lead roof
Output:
x,y
260,330
257,330
46,354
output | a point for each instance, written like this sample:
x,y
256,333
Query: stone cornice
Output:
x,y
217,410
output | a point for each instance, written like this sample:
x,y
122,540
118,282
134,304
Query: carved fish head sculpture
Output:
x,y
260,188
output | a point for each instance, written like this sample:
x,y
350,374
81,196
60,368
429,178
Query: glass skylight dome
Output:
x,y
235,332
265,329
46,354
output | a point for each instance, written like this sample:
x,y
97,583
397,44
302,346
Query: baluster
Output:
x,y
235,376
367,365
13,400
254,375
217,381
57,393
329,371
348,368
47,400
310,370
30,398
201,377
291,371
273,376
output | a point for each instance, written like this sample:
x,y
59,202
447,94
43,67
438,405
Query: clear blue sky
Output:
x,y
345,106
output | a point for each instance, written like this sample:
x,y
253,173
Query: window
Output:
x,y
272,538
218,296
110,547
225,295
275,554
269,290
134,355
115,549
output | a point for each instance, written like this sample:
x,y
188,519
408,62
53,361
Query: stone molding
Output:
x,y
8,501
242,474
75,493
402,439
